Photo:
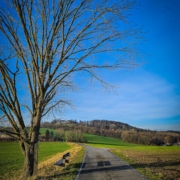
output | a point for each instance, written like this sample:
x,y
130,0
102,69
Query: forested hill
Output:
x,y
115,129
100,124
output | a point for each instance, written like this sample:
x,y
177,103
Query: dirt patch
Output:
x,y
154,164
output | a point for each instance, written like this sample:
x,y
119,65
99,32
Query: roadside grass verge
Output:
x,y
49,171
48,149
11,157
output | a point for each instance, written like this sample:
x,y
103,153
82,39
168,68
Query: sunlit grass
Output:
x,y
43,130
11,157
105,142
49,171
154,162
47,149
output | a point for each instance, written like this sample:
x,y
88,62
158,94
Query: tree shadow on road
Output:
x,y
71,170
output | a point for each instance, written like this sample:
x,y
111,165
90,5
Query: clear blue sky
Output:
x,y
147,96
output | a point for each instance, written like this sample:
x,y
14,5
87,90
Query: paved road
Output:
x,y
100,164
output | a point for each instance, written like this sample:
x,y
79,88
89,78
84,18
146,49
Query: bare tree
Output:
x,y
43,43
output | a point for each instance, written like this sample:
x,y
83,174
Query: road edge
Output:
x,y
80,169
145,178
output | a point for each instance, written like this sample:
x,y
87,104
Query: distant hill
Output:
x,y
100,124
113,129
116,129
108,124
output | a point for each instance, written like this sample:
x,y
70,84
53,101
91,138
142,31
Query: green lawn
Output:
x,y
43,130
11,157
106,142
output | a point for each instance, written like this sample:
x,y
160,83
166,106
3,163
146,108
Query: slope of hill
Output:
x,y
116,130
100,124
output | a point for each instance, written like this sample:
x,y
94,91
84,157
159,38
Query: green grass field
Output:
x,y
11,157
106,142
43,130
155,162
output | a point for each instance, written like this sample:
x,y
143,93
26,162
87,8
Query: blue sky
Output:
x,y
147,96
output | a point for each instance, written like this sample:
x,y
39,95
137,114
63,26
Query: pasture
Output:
x,y
155,162
43,130
106,142
11,157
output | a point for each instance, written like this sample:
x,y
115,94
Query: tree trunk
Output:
x,y
30,161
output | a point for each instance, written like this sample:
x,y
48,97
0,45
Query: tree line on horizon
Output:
x,y
61,135
116,130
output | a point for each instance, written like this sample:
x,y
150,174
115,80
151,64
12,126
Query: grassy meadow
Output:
x,y
154,162
106,142
43,130
11,158
47,170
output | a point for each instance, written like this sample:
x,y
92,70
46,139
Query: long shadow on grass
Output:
x,y
159,165
66,171
76,166
156,164
108,144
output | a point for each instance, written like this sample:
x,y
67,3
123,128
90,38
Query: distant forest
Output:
x,y
117,130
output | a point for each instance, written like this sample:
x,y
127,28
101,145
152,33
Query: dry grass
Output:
x,y
158,163
47,169
13,176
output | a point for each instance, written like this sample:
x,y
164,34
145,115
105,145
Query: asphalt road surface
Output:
x,y
100,164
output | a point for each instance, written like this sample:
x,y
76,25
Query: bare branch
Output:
x,y
46,43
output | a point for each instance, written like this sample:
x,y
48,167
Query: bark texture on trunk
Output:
x,y
30,161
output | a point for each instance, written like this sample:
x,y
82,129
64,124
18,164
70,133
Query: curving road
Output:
x,y
100,164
